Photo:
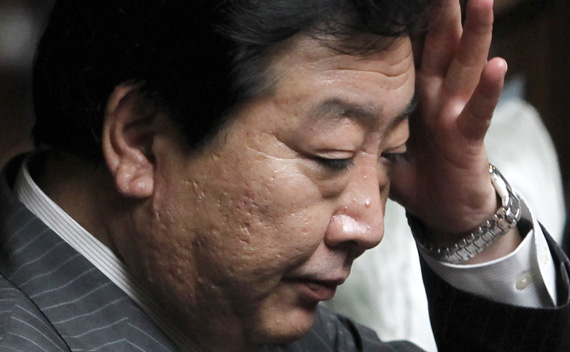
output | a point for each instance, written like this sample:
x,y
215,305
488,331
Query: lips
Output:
x,y
313,289
319,290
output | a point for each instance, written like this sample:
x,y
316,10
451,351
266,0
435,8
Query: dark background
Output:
x,y
534,37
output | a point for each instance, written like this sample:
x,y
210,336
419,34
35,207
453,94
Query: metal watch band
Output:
x,y
506,217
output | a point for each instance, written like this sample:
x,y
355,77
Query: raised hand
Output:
x,y
445,181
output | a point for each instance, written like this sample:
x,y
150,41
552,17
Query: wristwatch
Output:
x,y
506,217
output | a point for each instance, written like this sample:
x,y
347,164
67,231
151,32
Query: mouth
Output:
x,y
315,289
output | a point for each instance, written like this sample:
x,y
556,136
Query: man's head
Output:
x,y
305,104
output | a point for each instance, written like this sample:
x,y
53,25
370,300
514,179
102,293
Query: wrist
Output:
x,y
496,235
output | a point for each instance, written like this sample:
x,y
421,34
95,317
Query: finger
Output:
x,y
444,33
473,50
476,117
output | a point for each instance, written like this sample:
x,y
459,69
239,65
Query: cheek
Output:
x,y
268,214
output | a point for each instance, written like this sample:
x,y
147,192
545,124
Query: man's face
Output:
x,y
251,233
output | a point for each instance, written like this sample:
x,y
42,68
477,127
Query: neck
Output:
x,y
82,189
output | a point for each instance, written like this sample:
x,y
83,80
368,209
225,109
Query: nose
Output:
x,y
358,220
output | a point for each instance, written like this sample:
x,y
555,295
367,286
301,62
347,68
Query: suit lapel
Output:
x,y
82,304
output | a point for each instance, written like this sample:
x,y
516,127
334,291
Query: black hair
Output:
x,y
196,59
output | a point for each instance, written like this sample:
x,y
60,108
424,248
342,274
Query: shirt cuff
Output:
x,y
525,277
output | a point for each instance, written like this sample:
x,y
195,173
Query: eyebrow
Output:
x,y
336,107
406,113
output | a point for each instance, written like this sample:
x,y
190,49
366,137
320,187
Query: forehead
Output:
x,y
305,49
313,79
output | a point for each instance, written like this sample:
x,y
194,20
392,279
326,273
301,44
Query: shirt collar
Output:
x,y
29,193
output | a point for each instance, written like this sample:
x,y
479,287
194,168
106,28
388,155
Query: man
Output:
x,y
210,170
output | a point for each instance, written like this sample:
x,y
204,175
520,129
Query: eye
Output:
x,y
395,155
336,165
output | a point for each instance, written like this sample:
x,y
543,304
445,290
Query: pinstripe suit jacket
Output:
x,y
53,299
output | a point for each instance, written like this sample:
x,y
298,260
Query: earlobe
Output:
x,y
129,129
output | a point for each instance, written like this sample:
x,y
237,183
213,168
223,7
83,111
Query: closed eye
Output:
x,y
396,154
394,157
336,165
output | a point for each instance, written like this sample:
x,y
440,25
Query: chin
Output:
x,y
285,327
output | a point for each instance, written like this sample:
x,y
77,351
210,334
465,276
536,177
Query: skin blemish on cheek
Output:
x,y
198,190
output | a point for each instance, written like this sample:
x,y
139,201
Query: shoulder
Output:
x,y
22,326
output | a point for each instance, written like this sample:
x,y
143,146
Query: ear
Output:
x,y
129,129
